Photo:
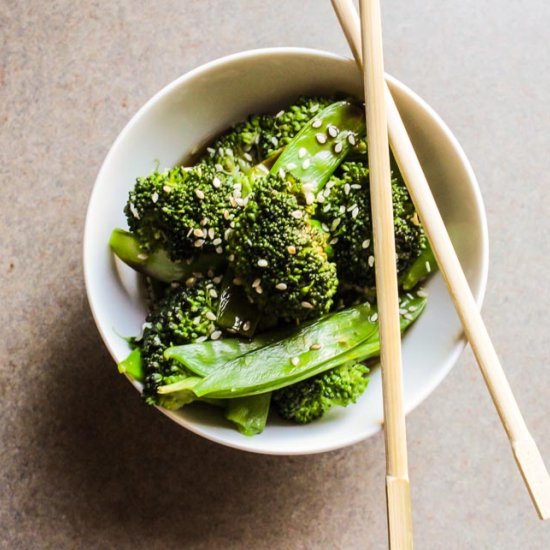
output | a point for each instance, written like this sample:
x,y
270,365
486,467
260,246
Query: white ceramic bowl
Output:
x,y
207,100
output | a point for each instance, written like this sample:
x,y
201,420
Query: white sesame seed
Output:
x,y
213,293
335,224
297,214
408,316
355,212
231,257
280,113
413,308
219,250
320,197
338,147
291,249
324,227
281,173
190,281
302,152
333,241
218,167
316,123
227,234
262,263
217,280
211,150
229,151
199,194
216,182
256,282
246,326
217,242
321,138
315,108
240,202
295,361
201,339
371,261
247,156
373,318
409,296
198,232
402,311
365,243
167,188
211,233
198,243
355,186
259,289
342,209
155,197
232,201
422,293
326,208
315,346
351,139
306,164
216,334
281,286
428,267
307,305
275,141
210,315
142,256
347,188
204,221
226,214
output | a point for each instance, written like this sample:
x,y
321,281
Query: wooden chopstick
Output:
x,y
397,475
526,453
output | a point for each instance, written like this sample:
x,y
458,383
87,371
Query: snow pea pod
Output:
x,y
310,350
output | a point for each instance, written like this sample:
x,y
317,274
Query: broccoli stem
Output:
x,y
420,269
312,348
249,413
322,144
158,264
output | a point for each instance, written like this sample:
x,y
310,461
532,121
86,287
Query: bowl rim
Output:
x,y
298,52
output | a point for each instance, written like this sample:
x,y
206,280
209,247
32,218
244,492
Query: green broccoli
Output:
x,y
185,211
280,255
310,399
345,211
186,314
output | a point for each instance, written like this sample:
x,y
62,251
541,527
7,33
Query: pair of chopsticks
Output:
x,y
364,36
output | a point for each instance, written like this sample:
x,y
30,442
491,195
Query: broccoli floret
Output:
x,y
185,211
279,254
346,212
186,314
261,136
312,398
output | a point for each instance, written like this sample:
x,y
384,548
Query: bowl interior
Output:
x,y
199,105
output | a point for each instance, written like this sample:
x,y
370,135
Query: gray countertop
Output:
x,y
83,464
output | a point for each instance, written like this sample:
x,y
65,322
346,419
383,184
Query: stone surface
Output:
x,y
83,463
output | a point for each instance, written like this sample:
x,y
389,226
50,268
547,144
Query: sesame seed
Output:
x,y
226,214
219,250
291,166
216,334
229,151
402,311
210,315
342,209
333,241
198,243
211,150
413,308
142,256
291,249
217,280
408,316
335,224
355,212
351,139
326,208
324,227
211,233
281,173
428,267
259,289
409,296
347,188
332,131
315,108
422,293
365,243
199,194
201,339
373,318
240,202
155,197
306,164
281,286
295,361
248,157
275,141
320,197
315,346
316,123
227,234
257,282
350,208
204,221
307,305
321,138
371,261
167,189
297,214
218,167
231,257
190,281
280,113
232,201
262,263
216,182
217,241
338,147
302,152
213,293
198,232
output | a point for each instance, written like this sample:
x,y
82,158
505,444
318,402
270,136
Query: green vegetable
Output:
x,y
315,153
158,264
313,348
132,365
249,413
420,269
310,399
